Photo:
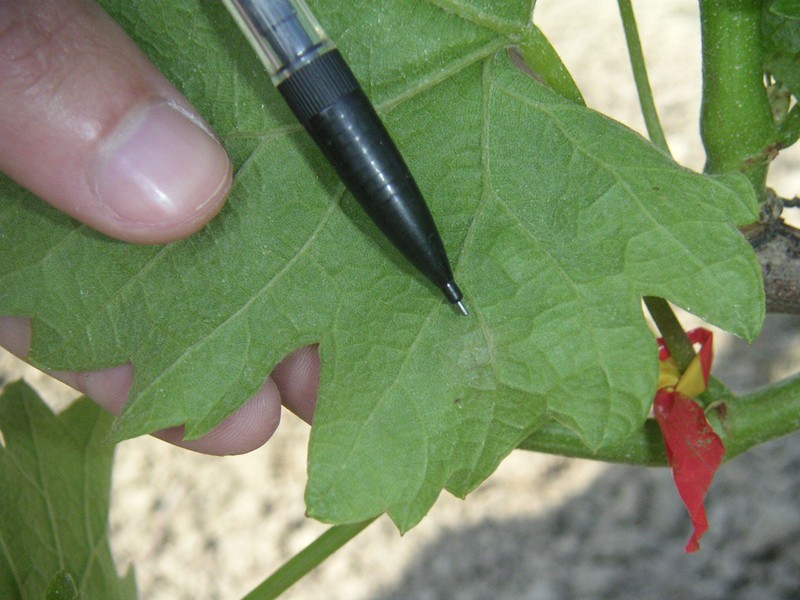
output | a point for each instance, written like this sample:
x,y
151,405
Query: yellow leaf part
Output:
x,y
691,384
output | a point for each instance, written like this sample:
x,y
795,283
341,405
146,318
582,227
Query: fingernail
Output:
x,y
160,166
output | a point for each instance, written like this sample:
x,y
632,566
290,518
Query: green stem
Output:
x,y
646,101
742,422
671,330
736,119
645,447
753,419
306,560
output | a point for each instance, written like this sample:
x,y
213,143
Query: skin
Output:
x,y
91,156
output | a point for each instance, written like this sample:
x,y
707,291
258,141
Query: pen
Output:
x,y
324,95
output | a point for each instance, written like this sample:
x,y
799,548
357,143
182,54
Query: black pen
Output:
x,y
324,95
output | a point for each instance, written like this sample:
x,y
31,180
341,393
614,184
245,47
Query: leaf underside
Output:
x,y
557,221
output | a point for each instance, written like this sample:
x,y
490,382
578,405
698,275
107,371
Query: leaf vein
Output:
x,y
334,205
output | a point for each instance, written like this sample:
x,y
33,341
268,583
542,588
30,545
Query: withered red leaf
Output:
x,y
694,451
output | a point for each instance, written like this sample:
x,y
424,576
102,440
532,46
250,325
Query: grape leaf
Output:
x,y
55,487
781,44
557,220
789,9
62,587
781,41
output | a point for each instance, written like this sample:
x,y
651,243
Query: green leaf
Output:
x,y
62,587
789,9
781,41
557,220
55,481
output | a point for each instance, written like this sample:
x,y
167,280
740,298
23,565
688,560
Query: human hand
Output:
x,y
89,125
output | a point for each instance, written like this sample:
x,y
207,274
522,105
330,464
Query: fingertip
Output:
x,y
15,335
108,387
160,175
297,378
246,430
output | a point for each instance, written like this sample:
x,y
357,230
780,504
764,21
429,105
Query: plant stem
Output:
x,y
645,447
671,330
736,119
742,422
636,55
753,419
306,560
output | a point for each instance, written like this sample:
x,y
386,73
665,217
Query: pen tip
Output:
x,y
454,295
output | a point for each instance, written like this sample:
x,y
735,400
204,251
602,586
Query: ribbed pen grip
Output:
x,y
317,85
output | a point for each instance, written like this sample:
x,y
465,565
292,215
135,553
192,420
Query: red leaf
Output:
x,y
694,451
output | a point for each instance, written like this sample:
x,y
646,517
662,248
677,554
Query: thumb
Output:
x,y
89,125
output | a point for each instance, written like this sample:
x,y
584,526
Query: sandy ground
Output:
x,y
542,527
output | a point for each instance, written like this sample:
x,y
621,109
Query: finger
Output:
x,y
296,379
89,125
15,335
294,382
250,427
247,429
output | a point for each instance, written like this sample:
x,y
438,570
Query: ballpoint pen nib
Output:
x,y
454,296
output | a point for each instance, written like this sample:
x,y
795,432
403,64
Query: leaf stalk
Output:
x,y
678,343
645,92
306,560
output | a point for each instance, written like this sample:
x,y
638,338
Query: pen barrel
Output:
x,y
284,34
328,101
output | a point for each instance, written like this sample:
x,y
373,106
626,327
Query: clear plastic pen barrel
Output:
x,y
284,33
324,95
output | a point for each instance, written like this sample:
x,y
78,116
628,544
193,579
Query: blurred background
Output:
x,y
542,527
